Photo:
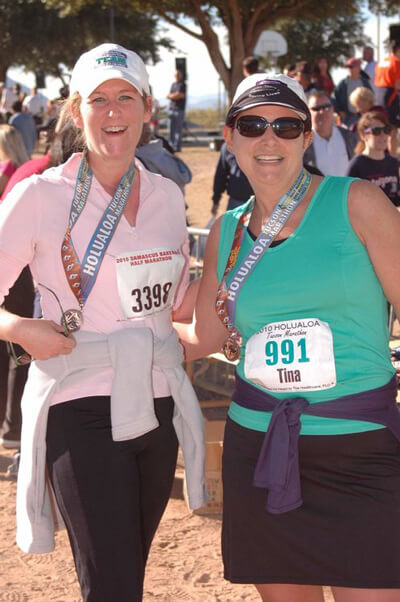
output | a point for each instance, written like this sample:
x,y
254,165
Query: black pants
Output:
x,y
13,378
111,495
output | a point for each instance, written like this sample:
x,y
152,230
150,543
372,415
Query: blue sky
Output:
x,y
203,79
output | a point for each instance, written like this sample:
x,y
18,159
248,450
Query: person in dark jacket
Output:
x,y
345,87
228,176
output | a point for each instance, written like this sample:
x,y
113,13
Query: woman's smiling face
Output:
x,y
268,159
112,119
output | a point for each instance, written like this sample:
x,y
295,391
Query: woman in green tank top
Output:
x,y
295,286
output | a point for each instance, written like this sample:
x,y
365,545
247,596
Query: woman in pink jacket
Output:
x,y
107,245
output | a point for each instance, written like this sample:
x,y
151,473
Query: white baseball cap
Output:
x,y
108,61
269,89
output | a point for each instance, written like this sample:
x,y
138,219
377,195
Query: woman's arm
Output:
x,y
206,334
377,224
20,215
184,313
42,339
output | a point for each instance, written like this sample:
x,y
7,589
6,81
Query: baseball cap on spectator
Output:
x,y
105,62
353,62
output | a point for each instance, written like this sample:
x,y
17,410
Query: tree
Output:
x,y
335,38
385,7
38,38
244,20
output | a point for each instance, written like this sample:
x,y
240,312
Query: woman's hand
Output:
x,y
42,339
206,334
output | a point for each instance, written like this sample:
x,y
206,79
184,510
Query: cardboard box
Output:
x,y
214,486
214,433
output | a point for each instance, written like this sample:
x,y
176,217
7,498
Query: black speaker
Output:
x,y
394,33
180,65
40,78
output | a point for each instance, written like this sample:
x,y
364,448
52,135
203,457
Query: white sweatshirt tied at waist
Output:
x,y
131,352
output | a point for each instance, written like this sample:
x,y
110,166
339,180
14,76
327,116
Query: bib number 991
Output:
x,y
286,352
148,298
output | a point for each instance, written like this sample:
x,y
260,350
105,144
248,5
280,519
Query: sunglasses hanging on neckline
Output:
x,y
20,359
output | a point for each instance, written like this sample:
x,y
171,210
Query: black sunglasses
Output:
x,y
324,107
252,126
376,131
22,358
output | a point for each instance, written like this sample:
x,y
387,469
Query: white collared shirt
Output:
x,y
331,155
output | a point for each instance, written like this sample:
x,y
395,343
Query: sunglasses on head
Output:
x,y
324,107
252,126
378,130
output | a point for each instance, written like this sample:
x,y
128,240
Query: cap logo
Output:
x,y
264,89
112,58
271,81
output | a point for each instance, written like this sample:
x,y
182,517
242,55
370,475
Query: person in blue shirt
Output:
x,y
25,124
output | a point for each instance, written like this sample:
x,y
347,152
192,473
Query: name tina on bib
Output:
x,y
292,355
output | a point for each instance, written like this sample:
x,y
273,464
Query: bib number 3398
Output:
x,y
147,280
294,355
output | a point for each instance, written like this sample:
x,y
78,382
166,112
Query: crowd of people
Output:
x,y
338,127
97,314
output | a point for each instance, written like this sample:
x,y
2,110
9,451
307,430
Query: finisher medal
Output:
x,y
227,295
73,318
231,349
82,276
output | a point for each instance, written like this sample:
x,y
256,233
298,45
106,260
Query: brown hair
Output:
x,y
318,94
364,123
250,63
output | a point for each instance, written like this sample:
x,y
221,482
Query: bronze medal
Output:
x,y
231,349
73,318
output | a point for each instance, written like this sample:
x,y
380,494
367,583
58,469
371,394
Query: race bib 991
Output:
x,y
147,280
293,355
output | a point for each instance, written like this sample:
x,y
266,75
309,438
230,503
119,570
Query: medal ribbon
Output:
x,y
227,296
81,277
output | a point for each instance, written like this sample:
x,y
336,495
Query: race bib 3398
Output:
x,y
147,280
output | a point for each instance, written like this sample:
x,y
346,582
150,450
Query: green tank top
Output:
x,y
324,271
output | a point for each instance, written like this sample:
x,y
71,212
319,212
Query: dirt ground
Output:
x,y
185,561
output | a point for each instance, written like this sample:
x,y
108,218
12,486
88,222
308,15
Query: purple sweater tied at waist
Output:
x,y
278,463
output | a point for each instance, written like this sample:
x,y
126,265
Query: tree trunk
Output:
x,y
3,70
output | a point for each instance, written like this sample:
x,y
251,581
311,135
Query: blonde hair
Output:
x,y
362,93
12,145
66,123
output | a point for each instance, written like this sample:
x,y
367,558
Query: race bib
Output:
x,y
294,355
147,280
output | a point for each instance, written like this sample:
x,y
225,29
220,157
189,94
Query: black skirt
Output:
x,y
346,533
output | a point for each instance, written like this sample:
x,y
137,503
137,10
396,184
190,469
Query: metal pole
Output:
x,y
219,101
378,34
112,23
